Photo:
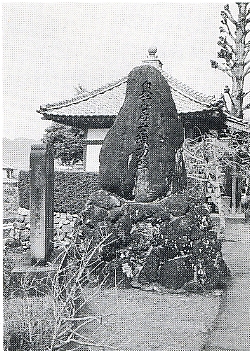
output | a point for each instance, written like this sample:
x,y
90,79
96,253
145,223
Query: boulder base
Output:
x,y
150,243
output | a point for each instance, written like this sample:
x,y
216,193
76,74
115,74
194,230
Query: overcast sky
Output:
x,y
50,48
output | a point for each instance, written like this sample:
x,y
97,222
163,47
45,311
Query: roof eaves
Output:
x,y
188,92
176,85
6,166
79,98
237,123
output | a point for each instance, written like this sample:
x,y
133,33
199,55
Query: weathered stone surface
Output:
x,y
175,273
56,220
25,234
27,219
147,246
22,226
150,270
20,218
176,205
67,228
141,211
138,156
94,214
69,217
23,211
104,199
193,286
63,215
65,221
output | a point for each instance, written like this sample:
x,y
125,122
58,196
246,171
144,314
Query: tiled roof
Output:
x,y
237,124
108,100
6,166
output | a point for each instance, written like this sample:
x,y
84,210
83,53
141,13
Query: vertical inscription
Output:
x,y
41,202
142,146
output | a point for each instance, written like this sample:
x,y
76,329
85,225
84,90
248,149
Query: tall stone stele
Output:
x,y
41,202
138,156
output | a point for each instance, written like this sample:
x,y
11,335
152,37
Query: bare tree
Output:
x,y
207,160
235,47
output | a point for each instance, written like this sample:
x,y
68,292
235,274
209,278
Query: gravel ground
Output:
x,y
232,328
137,320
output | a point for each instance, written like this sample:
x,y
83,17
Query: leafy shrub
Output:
x,y
67,142
70,190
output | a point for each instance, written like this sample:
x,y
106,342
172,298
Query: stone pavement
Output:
x,y
231,331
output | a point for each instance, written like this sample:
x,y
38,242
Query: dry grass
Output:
x,y
52,321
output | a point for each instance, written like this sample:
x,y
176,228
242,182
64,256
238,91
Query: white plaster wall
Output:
x,y
92,158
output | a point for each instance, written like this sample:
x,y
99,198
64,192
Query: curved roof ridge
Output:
x,y
84,96
176,85
188,91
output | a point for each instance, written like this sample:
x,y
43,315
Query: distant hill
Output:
x,y
16,153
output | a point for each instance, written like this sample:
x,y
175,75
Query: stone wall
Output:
x,y
17,230
10,199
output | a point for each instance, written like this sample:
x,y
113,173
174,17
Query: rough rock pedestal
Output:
x,y
138,156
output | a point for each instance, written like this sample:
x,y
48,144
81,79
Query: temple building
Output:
x,y
9,173
96,111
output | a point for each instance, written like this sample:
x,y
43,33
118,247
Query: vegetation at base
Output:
x,y
48,311
110,243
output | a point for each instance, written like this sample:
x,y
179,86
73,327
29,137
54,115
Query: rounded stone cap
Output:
x,y
152,50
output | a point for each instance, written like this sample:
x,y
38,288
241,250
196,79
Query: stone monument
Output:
x,y
163,235
138,156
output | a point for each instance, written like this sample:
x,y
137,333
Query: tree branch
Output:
x,y
229,31
247,62
245,94
247,71
246,52
191,154
225,70
247,107
227,15
212,182
231,46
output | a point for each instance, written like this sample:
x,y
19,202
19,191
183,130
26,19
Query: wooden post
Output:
x,y
41,202
234,189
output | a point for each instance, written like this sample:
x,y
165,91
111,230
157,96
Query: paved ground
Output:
x,y
136,320
231,331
